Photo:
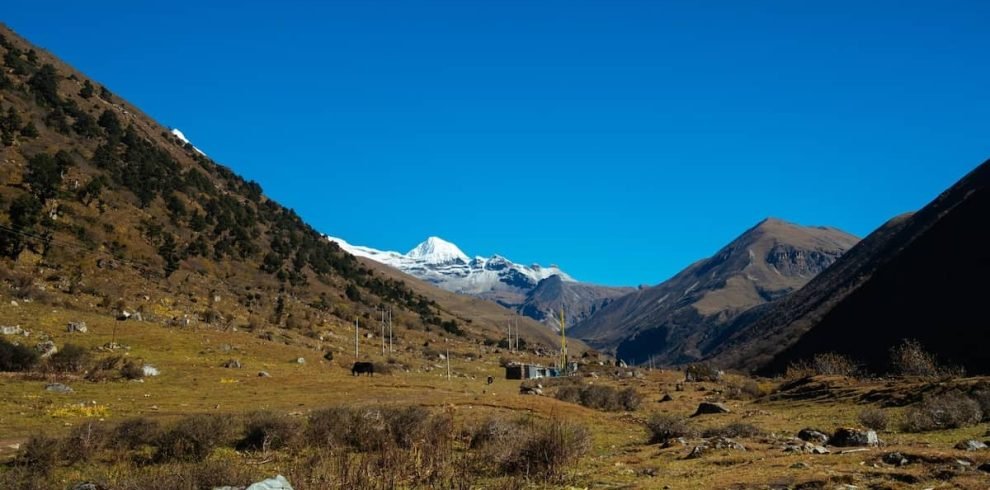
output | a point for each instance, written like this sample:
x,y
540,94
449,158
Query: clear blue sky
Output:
x,y
621,140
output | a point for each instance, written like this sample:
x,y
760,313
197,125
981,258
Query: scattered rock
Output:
x,y
232,364
697,452
710,407
11,330
76,327
264,374
87,486
812,435
527,390
803,447
13,303
725,443
896,459
800,466
300,361
149,370
46,349
971,445
847,437
666,398
277,483
680,441
985,467
58,388
328,356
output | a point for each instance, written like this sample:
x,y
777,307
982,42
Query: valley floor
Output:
x,y
192,380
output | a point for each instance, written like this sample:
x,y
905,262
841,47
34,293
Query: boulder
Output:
x,y
725,443
277,483
971,445
847,437
710,407
46,349
527,390
812,435
697,452
149,370
232,364
11,330
264,374
895,458
666,398
76,327
58,388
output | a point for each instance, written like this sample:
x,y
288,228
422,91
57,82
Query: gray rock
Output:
x,y
812,435
232,364
46,349
710,407
971,445
300,361
847,437
277,483
264,374
667,398
896,459
725,443
800,466
697,452
11,330
985,467
76,327
87,486
58,388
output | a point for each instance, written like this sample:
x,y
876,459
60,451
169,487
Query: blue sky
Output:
x,y
621,140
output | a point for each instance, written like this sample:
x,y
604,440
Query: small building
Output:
x,y
529,371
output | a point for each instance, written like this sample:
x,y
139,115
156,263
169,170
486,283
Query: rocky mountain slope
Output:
x,y
497,279
671,322
920,277
103,209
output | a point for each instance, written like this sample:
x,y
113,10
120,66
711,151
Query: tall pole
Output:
x,y
390,329
448,363
356,350
383,330
563,340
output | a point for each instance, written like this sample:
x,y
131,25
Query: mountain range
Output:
x,y
535,291
671,323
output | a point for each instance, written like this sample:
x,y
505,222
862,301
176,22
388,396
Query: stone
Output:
x,y
76,327
985,467
725,443
697,452
232,364
710,408
812,435
46,349
149,370
300,361
277,483
847,437
87,486
666,398
264,374
527,390
971,445
328,356
58,388
800,466
11,330
896,459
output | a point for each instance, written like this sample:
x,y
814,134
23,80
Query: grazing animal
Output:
x,y
491,379
363,367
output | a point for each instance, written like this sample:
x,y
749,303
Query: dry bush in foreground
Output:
x,y
265,431
947,411
665,427
911,359
601,397
548,451
193,438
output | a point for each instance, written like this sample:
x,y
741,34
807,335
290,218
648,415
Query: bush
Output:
x,y
327,428
911,359
947,411
70,359
665,427
265,431
192,438
981,394
134,433
874,418
737,429
630,399
132,370
15,357
702,372
827,364
600,397
406,425
39,454
84,441
548,451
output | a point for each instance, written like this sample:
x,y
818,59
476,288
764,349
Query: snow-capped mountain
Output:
x,y
444,264
182,137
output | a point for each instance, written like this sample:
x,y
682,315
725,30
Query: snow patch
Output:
x,y
184,140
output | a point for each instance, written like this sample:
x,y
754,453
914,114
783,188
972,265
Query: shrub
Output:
x,y
665,427
736,429
327,428
910,358
947,411
15,357
134,433
70,359
132,370
702,372
192,438
981,394
265,431
406,425
39,454
827,364
548,451
569,394
491,431
600,397
84,441
630,399
874,418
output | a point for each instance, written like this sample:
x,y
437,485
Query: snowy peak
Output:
x,y
436,250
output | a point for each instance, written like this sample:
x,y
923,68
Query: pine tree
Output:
x,y
87,90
